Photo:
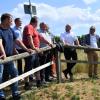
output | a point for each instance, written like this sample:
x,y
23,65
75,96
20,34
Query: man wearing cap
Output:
x,y
91,40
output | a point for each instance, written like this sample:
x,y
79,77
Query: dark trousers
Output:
x,y
42,59
48,69
45,58
31,62
19,63
70,54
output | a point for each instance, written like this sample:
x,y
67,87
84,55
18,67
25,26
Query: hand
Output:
x,y
51,45
15,52
37,50
3,56
79,45
30,50
88,46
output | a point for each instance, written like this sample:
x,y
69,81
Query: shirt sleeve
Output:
x,y
15,36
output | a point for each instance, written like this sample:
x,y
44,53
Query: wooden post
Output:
x,y
58,68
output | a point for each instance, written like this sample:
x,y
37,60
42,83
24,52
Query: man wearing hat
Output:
x,y
91,40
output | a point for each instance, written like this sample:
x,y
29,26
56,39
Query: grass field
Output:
x,y
83,88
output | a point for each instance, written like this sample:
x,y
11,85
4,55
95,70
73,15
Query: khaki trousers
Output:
x,y
92,57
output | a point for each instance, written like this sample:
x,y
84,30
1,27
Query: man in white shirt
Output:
x,y
68,38
47,55
91,40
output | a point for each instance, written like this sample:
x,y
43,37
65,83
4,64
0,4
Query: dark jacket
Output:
x,y
87,40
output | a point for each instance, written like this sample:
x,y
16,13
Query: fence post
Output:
x,y
58,66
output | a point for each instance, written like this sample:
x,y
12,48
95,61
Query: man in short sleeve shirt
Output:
x,y
31,39
7,39
68,38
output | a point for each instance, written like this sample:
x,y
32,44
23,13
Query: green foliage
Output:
x,y
54,95
57,39
75,97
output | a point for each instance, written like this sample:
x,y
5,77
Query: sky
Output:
x,y
80,14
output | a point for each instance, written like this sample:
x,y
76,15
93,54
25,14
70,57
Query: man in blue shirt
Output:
x,y
18,31
7,39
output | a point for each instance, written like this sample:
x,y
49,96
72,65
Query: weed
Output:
x,y
75,97
54,95
62,98
78,92
96,98
68,94
95,91
46,91
69,88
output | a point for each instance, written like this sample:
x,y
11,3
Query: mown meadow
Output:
x,y
83,87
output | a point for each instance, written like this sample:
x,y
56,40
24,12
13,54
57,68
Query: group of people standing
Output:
x,y
91,40
12,41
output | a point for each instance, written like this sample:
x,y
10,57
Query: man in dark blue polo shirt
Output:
x,y
7,39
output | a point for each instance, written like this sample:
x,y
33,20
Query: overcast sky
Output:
x,y
81,14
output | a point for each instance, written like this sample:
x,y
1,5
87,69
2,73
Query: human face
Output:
x,y
92,31
44,27
18,23
68,28
35,24
8,21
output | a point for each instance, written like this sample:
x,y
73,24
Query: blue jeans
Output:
x,y
11,69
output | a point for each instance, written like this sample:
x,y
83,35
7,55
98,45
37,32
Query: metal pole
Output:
x,y
58,68
30,8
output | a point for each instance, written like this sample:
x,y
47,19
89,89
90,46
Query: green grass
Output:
x,y
79,90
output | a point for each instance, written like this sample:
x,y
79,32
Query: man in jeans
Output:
x,y
91,40
7,39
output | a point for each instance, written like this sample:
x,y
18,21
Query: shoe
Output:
x,y
2,98
44,82
17,97
31,79
54,76
27,86
48,80
38,83
95,77
65,74
90,76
